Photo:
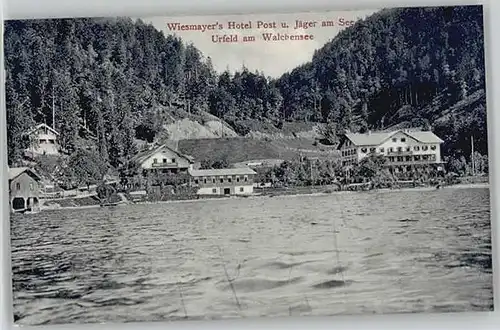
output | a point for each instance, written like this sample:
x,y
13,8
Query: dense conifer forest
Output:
x,y
114,80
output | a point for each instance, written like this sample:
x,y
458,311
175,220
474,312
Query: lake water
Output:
x,y
348,253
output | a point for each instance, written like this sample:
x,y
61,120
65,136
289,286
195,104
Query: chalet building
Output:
x,y
24,190
163,159
405,150
227,181
44,141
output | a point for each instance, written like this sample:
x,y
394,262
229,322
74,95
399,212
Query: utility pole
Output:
x,y
472,156
53,109
312,182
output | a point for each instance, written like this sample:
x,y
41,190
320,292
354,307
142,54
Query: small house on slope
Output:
x,y
43,140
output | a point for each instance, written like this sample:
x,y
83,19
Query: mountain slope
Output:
x,y
395,65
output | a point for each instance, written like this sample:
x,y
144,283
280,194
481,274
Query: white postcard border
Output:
x,y
15,9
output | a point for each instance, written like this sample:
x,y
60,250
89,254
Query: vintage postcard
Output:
x,y
172,168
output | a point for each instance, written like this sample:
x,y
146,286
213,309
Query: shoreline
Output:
x,y
278,194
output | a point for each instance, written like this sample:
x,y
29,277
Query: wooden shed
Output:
x,y
24,190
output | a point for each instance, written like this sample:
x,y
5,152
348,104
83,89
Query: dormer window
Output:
x,y
372,149
417,148
364,150
433,147
424,148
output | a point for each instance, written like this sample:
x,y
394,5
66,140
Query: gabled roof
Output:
x,y
37,127
142,156
377,138
14,172
373,138
223,171
425,136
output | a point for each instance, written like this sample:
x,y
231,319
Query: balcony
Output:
x,y
414,162
164,165
403,152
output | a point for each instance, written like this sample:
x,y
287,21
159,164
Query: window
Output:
x,y
424,148
237,179
400,159
164,160
241,189
394,140
400,149
372,149
364,150
155,161
196,181
173,160
417,157
381,149
31,186
221,180
205,180
408,148
214,191
417,148
433,147
408,158
18,186
52,142
229,179
403,139
213,180
391,150
246,179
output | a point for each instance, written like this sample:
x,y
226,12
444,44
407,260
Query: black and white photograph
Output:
x,y
212,167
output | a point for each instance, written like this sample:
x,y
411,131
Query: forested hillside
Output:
x,y
120,79
399,66
117,79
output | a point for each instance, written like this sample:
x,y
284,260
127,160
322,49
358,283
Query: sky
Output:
x,y
273,58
